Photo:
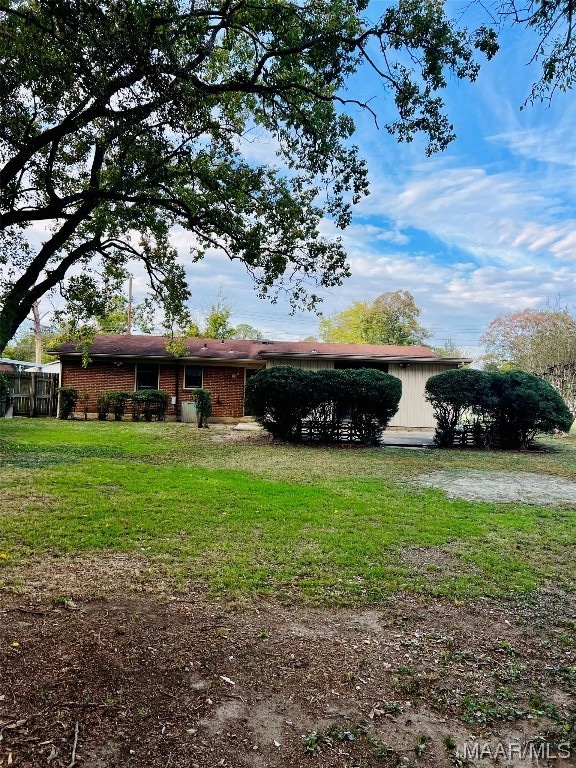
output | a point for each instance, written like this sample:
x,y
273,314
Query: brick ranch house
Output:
x,y
222,367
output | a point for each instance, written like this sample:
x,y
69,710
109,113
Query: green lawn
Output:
x,y
343,525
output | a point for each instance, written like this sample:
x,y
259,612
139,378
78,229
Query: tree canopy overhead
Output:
x,y
555,51
120,119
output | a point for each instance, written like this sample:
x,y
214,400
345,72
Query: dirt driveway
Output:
x,y
172,681
483,485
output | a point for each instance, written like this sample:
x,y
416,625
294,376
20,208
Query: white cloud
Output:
x,y
489,215
542,144
396,237
259,147
545,135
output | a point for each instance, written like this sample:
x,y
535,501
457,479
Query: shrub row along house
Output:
x,y
132,363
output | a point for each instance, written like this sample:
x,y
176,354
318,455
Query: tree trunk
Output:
x,y
10,320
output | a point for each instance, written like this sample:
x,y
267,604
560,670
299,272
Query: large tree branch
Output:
x,y
18,301
44,139
58,240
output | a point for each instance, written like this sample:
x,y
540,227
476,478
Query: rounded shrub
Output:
x,y
280,398
525,405
324,420
118,402
509,408
4,390
328,404
454,392
203,402
4,387
103,406
148,403
68,397
371,398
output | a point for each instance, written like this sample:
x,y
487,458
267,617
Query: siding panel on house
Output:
x,y
306,365
414,410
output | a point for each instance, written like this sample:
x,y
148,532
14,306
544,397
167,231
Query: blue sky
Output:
x,y
486,227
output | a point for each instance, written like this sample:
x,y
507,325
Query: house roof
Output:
x,y
20,363
241,349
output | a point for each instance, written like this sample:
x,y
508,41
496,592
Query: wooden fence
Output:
x,y
31,394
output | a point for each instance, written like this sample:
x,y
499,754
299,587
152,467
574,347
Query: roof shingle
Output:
x,y
239,349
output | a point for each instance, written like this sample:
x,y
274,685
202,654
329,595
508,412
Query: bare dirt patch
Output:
x,y
170,680
523,487
23,501
435,560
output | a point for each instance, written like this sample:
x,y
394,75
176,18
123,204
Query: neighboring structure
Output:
x,y
31,392
14,366
222,367
7,365
53,367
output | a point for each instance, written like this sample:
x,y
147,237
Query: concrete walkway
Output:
x,y
417,438
414,438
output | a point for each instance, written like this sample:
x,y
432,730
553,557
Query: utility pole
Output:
x,y
129,319
37,333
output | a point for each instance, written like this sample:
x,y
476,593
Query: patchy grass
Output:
x,y
246,516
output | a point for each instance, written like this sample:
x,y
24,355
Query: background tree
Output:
x,y
246,331
344,327
120,120
106,314
23,346
541,342
217,321
449,349
214,325
114,318
392,318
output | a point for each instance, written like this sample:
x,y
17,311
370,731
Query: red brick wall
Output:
x,y
225,383
97,377
168,384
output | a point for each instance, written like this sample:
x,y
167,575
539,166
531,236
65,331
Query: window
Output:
x,y
147,376
192,377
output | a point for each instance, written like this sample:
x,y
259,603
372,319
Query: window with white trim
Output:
x,y
147,376
192,377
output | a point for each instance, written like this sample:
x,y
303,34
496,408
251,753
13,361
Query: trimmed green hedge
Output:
x,y
280,398
68,397
4,389
203,401
292,403
146,404
452,394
